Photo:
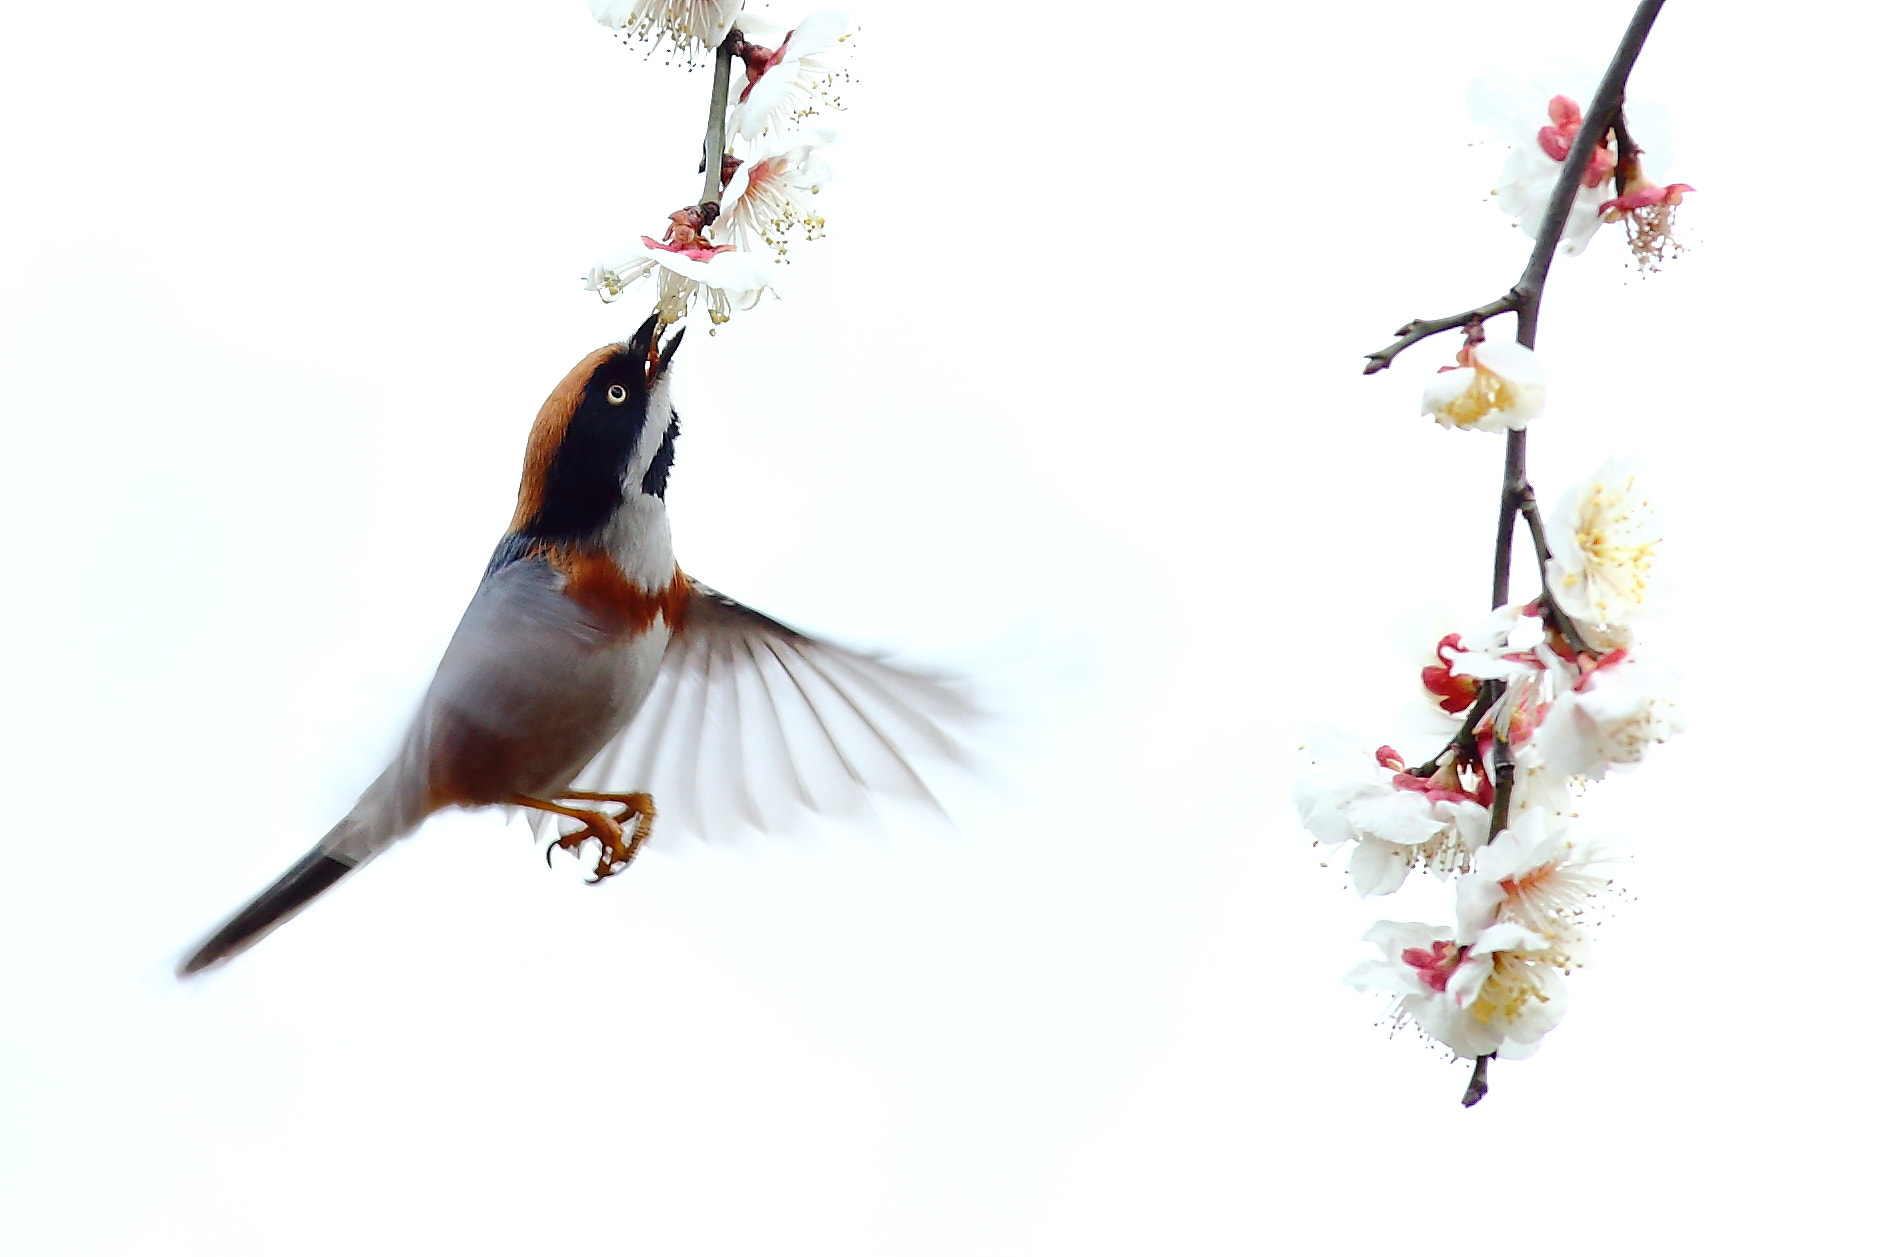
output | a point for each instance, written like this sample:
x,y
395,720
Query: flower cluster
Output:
x,y
1614,187
1552,695
724,251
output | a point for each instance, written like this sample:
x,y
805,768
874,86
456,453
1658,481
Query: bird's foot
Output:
x,y
617,849
617,852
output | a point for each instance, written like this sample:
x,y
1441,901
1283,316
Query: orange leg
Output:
x,y
640,806
605,829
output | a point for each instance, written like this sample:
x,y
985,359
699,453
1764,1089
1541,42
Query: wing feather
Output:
x,y
751,723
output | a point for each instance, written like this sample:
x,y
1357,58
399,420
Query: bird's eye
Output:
x,y
617,394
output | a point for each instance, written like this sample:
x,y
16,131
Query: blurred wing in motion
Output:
x,y
754,723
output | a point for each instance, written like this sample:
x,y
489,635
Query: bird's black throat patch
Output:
x,y
583,482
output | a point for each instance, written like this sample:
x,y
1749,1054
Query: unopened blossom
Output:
x,y
1619,708
1498,385
1603,536
768,198
1536,874
1645,209
689,25
1453,692
791,80
1396,820
724,277
1496,991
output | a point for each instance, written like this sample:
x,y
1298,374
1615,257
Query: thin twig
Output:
x,y
1628,152
1420,329
1477,1085
1512,485
1464,739
1529,507
716,144
1502,788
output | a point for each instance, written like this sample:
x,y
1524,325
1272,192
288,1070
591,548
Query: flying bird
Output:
x,y
590,675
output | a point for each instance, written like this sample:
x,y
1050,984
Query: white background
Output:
x,y
1070,396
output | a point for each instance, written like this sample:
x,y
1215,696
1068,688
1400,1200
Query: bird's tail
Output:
x,y
292,891
362,834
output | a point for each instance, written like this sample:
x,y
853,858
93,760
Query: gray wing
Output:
x,y
753,723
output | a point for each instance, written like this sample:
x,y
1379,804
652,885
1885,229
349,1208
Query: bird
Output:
x,y
590,674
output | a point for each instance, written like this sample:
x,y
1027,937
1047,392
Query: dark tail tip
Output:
x,y
291,892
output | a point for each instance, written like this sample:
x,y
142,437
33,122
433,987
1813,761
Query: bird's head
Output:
x,y
606,432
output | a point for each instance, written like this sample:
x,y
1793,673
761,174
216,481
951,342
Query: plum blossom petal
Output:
x,y
1500,385
793,80
1396,820
725,278
769,197
1509,988
1618,709
1603,535
1510,646
1538,875
691,26
1524,190
1475,997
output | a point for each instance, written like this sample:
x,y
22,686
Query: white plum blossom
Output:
x,y
1541,127
728,279
1603,536
1536,875
769,196
1396,820
1510,646
1496,991
1498,385
791,80
690,25
1616,711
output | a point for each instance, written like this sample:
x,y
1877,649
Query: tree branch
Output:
x,y
715,146
1463,741
1477,1085
1529,507
1420,329
1605,113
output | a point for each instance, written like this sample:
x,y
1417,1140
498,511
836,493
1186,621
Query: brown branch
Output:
x,y
1567,627
1477,1085
1606,112
1464,740
1628,152
715,146
1420,329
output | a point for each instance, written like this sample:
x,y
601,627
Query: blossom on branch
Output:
x,y
792,80
1603,535
1645,209
690,25
1498,385
728,279
1508,646
1525,184
1536,875
1396,820
1616,711
768,196
1496,991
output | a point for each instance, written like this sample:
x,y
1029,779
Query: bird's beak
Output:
x,y
647,343
659,356
643,341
